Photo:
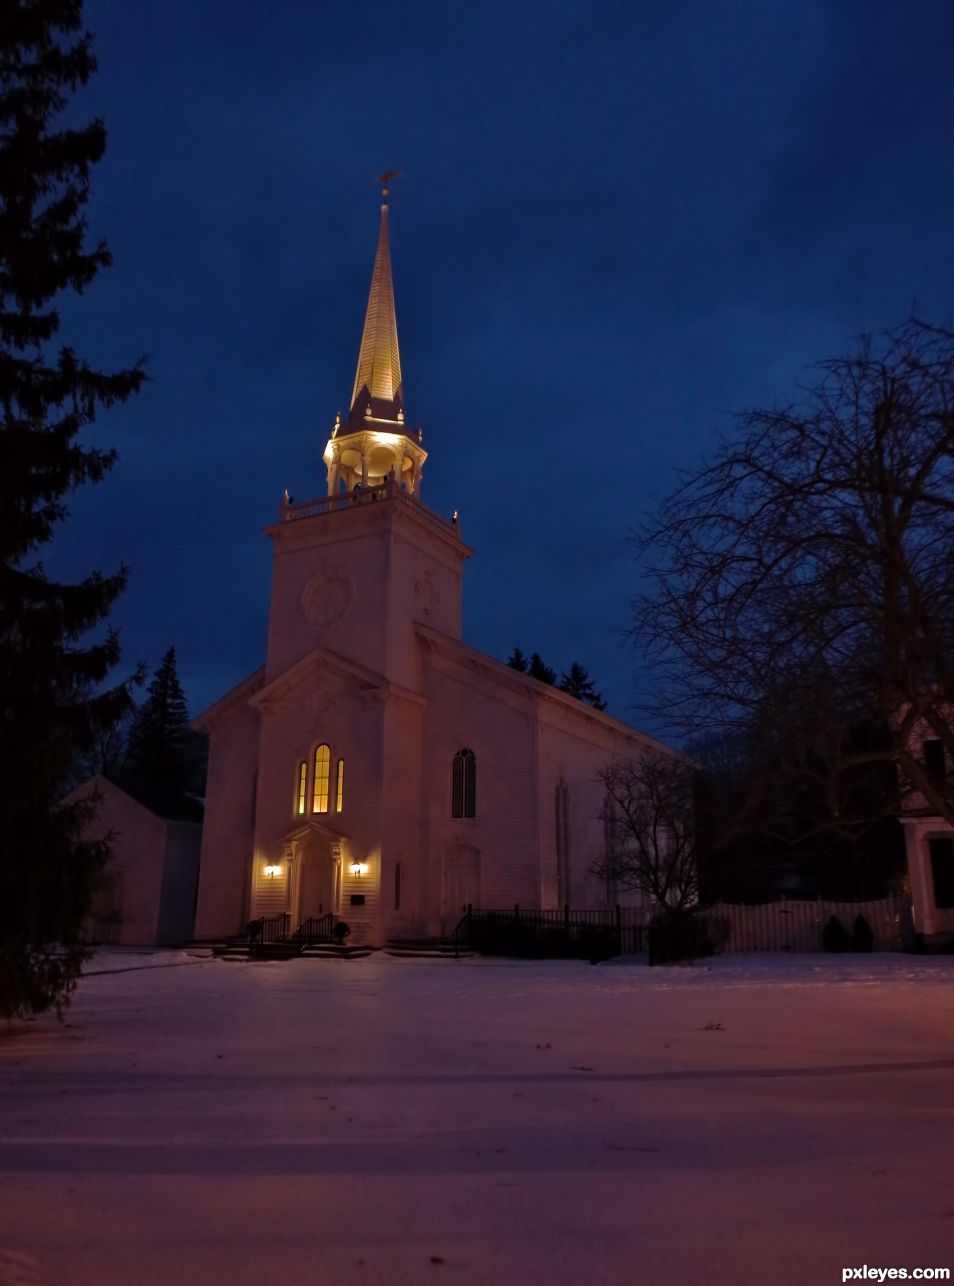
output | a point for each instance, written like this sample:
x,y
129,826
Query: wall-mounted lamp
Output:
x,y
358,869
272,872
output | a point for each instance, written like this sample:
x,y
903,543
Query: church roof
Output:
x,y
377,381
498,672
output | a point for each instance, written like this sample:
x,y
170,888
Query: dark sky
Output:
x,y
618,225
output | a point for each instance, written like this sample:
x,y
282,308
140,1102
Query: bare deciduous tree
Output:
x,y
649,810
802,585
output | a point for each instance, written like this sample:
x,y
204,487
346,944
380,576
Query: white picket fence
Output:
x,y
797,926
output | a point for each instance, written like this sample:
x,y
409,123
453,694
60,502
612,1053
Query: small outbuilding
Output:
x,y
147,898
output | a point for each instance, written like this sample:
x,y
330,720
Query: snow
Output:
x,y
753,1119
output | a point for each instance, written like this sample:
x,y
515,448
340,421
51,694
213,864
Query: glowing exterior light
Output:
x,y
358,869
272,872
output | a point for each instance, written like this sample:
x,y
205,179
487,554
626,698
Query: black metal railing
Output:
x,y
594,934
268,929
317,928
460,936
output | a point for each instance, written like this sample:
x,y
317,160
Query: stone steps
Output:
x,y
425,948
288,951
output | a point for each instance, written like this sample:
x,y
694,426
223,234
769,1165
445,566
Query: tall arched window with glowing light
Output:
x,y
322,773
301,795
339,787
464,784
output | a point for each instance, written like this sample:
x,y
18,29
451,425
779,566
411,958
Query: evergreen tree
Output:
x,y
160,740
538,669
579,684
51,685
517,661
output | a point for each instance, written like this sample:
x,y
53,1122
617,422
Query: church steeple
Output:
x,y
374,445
377,381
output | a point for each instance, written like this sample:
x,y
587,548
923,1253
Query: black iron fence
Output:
x,y
523,931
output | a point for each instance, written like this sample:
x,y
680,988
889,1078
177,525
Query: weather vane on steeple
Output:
x,y
385,179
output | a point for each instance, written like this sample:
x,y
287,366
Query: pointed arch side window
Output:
x,y
464,784
301,798
339,787
322,773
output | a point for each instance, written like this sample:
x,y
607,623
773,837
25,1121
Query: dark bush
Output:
x,y
689,937
835,936
862,939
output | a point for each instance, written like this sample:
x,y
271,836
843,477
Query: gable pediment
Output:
x,y
307,672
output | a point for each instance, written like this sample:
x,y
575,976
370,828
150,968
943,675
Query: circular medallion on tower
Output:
x,y
319,700
327,597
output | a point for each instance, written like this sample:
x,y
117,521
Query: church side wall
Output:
x,y
466,710
573,750
222,906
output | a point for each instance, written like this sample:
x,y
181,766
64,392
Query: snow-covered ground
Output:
x,y
762,1119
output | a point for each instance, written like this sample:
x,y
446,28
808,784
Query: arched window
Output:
x,y
339,787
464,785
322,772
302,795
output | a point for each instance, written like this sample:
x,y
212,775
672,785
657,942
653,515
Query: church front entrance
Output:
x,y
317,884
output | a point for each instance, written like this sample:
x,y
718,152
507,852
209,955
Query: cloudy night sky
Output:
x,y
617,225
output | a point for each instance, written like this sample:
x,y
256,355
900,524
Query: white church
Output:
x,y
376,767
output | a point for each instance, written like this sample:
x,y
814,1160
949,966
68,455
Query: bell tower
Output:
x,y
375,441
359,569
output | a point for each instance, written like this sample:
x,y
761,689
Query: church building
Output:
x,y
376,767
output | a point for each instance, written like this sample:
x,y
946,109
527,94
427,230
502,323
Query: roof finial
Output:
x,y
384,179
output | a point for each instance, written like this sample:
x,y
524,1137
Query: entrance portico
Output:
x,y
313,855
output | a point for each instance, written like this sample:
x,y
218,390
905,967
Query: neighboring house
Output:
x,y
375,766
148,893
929,841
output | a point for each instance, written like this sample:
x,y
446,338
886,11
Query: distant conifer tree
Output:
x,y
517,661
160,740
538,669
51,693
579,684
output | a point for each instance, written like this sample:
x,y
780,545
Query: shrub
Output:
x,y
862,939
835,936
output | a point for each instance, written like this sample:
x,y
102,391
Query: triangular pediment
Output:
x,y
313,826
319,661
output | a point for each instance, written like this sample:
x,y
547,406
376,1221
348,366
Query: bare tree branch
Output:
x,y
805,578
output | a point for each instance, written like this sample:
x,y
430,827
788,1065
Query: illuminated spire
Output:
x,y
374,447
377,382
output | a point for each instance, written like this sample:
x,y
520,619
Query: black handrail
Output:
x,y
317,928
462,929
268,928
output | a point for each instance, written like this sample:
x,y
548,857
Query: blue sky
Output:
x,y
618,225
